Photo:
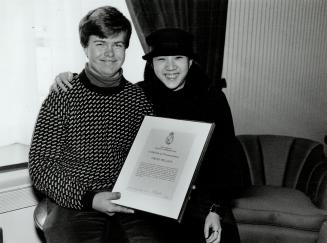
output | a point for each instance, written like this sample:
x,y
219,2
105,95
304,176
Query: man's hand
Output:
x,y
62,81
212,228
102,203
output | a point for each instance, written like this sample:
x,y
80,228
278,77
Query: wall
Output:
x,y
275,65
275,62
17,200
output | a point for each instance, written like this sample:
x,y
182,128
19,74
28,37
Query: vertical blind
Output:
x,y
275,64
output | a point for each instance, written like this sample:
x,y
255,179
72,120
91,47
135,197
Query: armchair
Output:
x,y
286,201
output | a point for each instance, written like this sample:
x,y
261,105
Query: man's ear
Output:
x,y
85,51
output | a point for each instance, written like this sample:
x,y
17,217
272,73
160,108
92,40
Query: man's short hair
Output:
x,y
104,22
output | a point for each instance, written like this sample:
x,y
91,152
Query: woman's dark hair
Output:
x,y
104,22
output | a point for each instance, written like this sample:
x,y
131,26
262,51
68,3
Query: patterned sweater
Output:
x,y
82,137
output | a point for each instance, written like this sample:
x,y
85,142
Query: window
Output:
x,y
39,39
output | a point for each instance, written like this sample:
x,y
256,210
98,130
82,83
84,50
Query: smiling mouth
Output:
x,y
110,61
171,76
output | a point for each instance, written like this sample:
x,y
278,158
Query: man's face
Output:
x,y
172,70
106,56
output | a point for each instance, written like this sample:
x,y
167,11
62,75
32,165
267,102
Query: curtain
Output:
x,y
205,19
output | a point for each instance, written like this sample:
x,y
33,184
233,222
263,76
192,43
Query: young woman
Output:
x,y
177,88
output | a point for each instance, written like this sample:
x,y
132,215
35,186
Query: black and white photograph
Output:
x,y
90,97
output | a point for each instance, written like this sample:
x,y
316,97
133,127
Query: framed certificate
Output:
x,y
161,165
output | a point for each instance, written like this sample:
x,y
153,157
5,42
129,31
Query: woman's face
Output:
x,y
172,70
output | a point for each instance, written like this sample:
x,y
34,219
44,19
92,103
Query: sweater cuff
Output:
x,y
87,200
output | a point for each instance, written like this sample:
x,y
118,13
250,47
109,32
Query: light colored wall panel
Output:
x,y
275,64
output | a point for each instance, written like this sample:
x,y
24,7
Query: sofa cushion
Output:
x,y
278,206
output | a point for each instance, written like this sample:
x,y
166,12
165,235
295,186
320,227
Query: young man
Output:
x,y
82,138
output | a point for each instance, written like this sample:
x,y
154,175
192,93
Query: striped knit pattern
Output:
x,y
82,138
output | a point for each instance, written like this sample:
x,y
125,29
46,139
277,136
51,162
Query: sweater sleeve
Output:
x,y
46,167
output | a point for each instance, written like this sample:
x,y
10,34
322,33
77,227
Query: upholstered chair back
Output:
x,y
284,161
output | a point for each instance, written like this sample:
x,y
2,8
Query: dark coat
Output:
x,y
219,178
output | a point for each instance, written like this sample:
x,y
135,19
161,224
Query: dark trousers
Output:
x,y
73,226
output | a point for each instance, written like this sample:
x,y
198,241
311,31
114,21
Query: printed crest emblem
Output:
x,y
170,138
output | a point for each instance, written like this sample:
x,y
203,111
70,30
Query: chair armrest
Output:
x,y
322,238
317,185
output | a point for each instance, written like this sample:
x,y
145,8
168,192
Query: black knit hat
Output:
x,y
169,42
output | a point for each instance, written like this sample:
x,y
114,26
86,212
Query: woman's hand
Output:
x,y
212,228
102,203
62,81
